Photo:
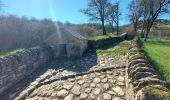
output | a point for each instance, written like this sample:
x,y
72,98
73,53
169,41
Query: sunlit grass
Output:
x,y
121,49
99,37
13,52
158,52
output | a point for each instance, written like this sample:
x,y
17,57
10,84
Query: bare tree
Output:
x,y
151,11
114,15
97,11
134,13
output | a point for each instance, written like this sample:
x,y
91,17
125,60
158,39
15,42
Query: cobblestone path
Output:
x,y
104,79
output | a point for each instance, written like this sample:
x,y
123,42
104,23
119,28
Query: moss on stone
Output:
x,y
156,93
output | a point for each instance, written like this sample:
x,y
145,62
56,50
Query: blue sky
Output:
x,y
63,10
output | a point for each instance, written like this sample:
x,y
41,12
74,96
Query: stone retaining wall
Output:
x,y
16,67
141,74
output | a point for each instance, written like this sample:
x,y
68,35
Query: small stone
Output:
x,y
78,77
96,80
62,93
104,80
118,90
80,82
69,97
109,76
88,90
112,81
92,96
67,86
85,85
109,72
93,85
120,78
120,83
76,90
117,98
92,75
106,86
83,96
102,76
96,91
111,92
107,96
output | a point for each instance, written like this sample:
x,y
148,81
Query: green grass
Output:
x,y
99,37
158,52
121,49
13,52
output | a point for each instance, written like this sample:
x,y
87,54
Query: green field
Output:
x,y
99,37
158,52
121,48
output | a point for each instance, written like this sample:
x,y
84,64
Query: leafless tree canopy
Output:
x,y
97,11
148,11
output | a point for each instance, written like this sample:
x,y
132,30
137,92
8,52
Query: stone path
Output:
x,y
103,78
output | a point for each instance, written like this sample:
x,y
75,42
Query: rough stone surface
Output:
x,y
95,83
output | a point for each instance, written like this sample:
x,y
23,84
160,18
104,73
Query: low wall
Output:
x,y
142,77
103,42
16,67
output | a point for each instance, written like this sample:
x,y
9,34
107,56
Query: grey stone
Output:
x,y
67,86
120,78
69,97
96,91
96,80
83,96
92,96
62,93
107,96
80,82
111,92
88,90
93,85
104,80
117,98
106,86
76,90
118,90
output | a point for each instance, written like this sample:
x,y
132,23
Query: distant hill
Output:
x,y
161,28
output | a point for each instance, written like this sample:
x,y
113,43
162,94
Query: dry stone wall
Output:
x,y
140,73
16,67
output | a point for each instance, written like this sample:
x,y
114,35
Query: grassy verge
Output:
x,y
121,48
13,52
158,52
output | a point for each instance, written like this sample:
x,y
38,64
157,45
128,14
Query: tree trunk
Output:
x,y
117,29
103,27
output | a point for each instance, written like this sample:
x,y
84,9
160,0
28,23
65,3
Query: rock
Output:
x,y
80,82
121,79
107,96
96,80
118,90
104,80
92,75
62,93
93,85
69,97
92,96
76,90
111,92
83,96
88,90
102,76
120,83
106,86
96,91
117,98
85,85
67,86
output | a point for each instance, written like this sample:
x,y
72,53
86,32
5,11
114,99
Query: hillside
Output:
x,y
161,29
